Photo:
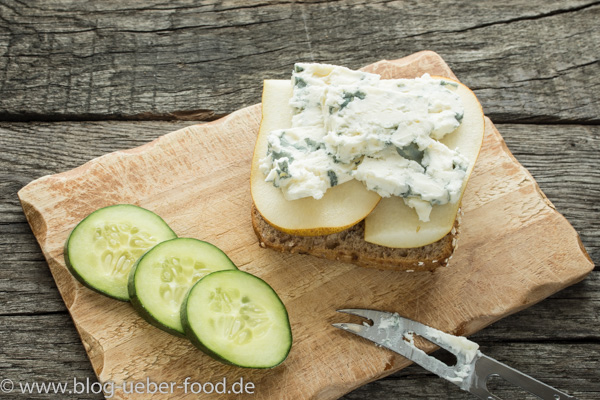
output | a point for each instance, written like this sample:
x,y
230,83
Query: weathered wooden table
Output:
x,y
81,79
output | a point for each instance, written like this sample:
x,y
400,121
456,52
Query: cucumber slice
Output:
x,y
102,248
160,280
238,319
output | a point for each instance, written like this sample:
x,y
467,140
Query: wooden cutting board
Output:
x,y
514,250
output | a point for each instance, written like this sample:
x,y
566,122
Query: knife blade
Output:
x,y
472,370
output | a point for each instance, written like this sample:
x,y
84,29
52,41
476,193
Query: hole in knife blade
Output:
x,y
445,356
504,389
440,354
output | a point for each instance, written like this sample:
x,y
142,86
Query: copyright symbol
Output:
x,y
7,386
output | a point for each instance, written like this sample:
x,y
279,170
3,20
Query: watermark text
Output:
x,y
147,386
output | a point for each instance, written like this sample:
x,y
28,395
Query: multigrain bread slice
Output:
x,y
349,246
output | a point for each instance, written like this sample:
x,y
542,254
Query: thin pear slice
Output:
x,y
340,208
394,224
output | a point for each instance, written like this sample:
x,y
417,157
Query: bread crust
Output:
x,y
349,246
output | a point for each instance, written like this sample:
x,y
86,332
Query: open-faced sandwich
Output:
x,y
353,167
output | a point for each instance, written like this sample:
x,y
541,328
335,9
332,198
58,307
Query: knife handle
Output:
x,y
487,366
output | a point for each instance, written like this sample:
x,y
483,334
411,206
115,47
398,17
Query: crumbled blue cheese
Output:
x,y
385,133
299,163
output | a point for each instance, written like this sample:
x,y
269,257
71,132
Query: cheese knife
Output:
x,y
472,369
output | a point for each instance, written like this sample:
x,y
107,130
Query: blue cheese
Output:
x,y
298,162
385,133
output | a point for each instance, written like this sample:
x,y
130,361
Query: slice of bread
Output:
x,y
349,246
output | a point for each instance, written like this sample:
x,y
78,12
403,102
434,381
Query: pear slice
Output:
x,y
394,224
340,208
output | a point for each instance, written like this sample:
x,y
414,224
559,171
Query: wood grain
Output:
x,y
40,342
569,365
121,346
528,61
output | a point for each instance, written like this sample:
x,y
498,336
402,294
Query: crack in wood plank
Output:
x,y
109,70
511,20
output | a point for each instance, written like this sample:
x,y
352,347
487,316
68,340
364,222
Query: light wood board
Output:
x,y
514,250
